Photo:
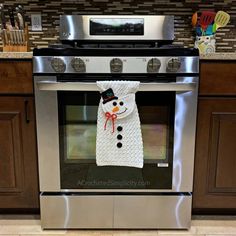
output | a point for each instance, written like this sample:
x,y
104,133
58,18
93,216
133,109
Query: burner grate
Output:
x,y
76,44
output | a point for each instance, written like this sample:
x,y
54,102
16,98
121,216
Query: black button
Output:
x,y
119,137
119,128
119,145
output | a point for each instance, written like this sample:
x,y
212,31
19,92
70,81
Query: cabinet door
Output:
x,y
215,159
18,163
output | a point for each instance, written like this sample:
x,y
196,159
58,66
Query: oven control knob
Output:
x,y
153,65
58,65
78,64
173,65
116,65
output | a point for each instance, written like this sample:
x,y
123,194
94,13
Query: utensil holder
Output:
x,y
15,40
205,44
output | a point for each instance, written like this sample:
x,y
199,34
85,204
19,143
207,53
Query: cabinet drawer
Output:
x,y
62,211
218,78
16,77
152,212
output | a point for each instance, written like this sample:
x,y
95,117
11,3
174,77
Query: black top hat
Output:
x,y
108,96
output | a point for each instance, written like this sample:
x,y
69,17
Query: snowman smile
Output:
x,y
119,113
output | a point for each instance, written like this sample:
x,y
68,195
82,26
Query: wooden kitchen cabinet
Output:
x,y
217,78
18,159
215,153
16,77
18,167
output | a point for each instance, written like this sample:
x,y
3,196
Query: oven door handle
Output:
x,y
82,86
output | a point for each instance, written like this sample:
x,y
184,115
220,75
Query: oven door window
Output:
x,y
77,134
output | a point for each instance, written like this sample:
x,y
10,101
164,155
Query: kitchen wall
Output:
x,y
226,37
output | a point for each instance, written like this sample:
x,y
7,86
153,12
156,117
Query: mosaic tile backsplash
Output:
x,y
182,10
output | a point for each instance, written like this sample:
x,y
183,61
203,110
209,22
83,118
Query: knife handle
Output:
x,y
21,21
11,15
3,19
22,12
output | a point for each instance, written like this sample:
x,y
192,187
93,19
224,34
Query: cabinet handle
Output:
x,y
27,120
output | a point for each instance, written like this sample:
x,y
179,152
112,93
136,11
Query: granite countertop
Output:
x,y
219,56
29,55
16,55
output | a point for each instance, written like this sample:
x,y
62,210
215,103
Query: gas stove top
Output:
x,y
70,51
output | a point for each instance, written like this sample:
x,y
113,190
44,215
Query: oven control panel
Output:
x,y
107,65
116,27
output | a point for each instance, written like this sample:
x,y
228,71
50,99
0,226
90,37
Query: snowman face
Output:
x,y
203,39
122,107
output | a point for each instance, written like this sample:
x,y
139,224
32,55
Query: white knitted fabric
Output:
x,y
131,152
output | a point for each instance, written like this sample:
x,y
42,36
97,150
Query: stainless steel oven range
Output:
x,y
74,191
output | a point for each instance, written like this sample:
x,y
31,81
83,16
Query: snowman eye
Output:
x,y
121,103
114,103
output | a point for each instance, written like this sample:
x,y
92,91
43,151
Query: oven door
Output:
x,y
66,114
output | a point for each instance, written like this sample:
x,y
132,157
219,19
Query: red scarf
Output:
x,y
113,117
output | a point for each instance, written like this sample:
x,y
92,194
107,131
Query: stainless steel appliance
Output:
x,y
75,193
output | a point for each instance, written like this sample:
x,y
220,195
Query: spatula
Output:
x,y
207,17
221,20
194,19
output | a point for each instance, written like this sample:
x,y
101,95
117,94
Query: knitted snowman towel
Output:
x,y
119,139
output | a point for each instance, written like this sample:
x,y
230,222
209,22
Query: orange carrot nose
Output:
x,y
115,109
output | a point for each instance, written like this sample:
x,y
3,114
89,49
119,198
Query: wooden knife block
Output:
x,y
20,45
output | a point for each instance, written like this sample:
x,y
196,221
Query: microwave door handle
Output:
x,y
80,86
